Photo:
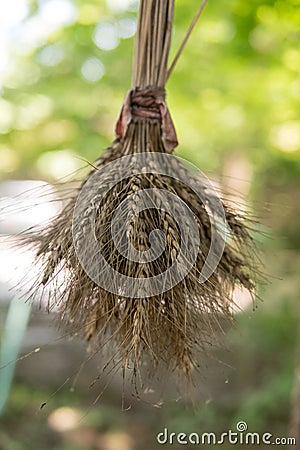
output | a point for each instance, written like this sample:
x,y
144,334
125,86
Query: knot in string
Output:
x,y
147,104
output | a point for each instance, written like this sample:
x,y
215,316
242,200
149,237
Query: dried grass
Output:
x,y
172,327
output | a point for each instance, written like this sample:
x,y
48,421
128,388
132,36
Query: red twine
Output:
x,y
148,104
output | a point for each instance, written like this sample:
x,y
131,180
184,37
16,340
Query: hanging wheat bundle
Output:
x,y
145,255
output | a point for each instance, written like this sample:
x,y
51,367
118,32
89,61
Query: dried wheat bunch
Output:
x,y
145,256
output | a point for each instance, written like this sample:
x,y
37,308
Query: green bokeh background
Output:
x,y
234,98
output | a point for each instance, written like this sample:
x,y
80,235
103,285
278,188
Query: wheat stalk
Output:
x,y
171,327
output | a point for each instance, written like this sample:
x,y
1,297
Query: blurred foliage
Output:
x,y
257,391
234,97
236,88
234,94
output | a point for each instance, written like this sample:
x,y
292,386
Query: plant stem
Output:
x,y
153,41
14,330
